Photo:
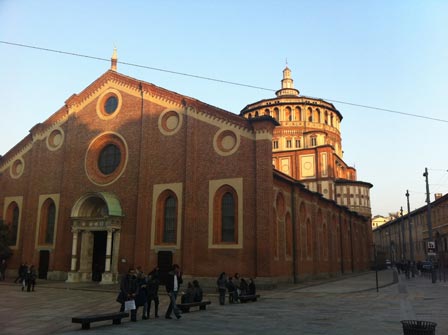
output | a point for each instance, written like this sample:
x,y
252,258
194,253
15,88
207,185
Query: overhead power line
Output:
x,y
216,80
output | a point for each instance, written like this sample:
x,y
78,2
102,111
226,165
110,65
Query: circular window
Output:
x,y
226,142
111,104
170,122
55,139
106,158
17,168
109,159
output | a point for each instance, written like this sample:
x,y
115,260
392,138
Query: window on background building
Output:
x,y
166,218
169,227
288,233
109,159
47,222
298,144
225,225
313,141
275,144
288,143
228,218
12,221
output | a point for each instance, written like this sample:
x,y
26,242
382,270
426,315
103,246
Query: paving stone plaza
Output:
x,y
346,306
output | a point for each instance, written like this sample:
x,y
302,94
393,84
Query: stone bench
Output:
x,y
86,320
185,307
248,297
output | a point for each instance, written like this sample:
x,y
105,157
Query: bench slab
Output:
x,y
185,308
87,319
246,298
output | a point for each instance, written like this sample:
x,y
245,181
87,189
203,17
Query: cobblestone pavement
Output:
x,y
346,306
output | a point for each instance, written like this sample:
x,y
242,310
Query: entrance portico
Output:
x,y
91,214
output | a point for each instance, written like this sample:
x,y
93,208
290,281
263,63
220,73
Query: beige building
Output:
x,y
409,232
307,145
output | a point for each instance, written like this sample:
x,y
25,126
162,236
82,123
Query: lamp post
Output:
x,y
411,244
388,233
428,213
403,251
376,266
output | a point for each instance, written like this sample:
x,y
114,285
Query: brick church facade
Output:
x,y
127,173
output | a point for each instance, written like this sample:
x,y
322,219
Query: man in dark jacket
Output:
x,y
173,283
128,291
153,292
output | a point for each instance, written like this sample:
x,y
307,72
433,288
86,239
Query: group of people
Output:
x,y
236,286
141,290
193,293
26,276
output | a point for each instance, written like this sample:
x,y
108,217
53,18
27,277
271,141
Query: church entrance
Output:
x,y
96,226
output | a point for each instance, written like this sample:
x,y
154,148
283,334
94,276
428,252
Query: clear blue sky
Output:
x,y
387,54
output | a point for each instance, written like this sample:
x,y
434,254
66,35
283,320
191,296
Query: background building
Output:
x,y
307,145
393,238
127,173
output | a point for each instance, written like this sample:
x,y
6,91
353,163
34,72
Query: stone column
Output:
x,y
110,276
108,250
74,250
73,276
115,253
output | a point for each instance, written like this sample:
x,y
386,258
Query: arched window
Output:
x,y
310,114
275,223
166,218
309,239
288,233
12,221
228,218
47,222
298,114
276,114
226,215
288,114
169,227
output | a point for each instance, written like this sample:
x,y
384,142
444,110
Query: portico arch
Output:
x,y
95,216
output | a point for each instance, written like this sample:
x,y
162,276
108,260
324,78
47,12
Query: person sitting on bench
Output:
x,y
197,292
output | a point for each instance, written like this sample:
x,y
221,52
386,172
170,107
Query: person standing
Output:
x,y
30,278
21,273
222,283
232,290
172,286
128,291
141,298
3,269
153,292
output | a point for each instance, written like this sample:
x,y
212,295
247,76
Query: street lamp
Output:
x,y
403,251
411,244
428,212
